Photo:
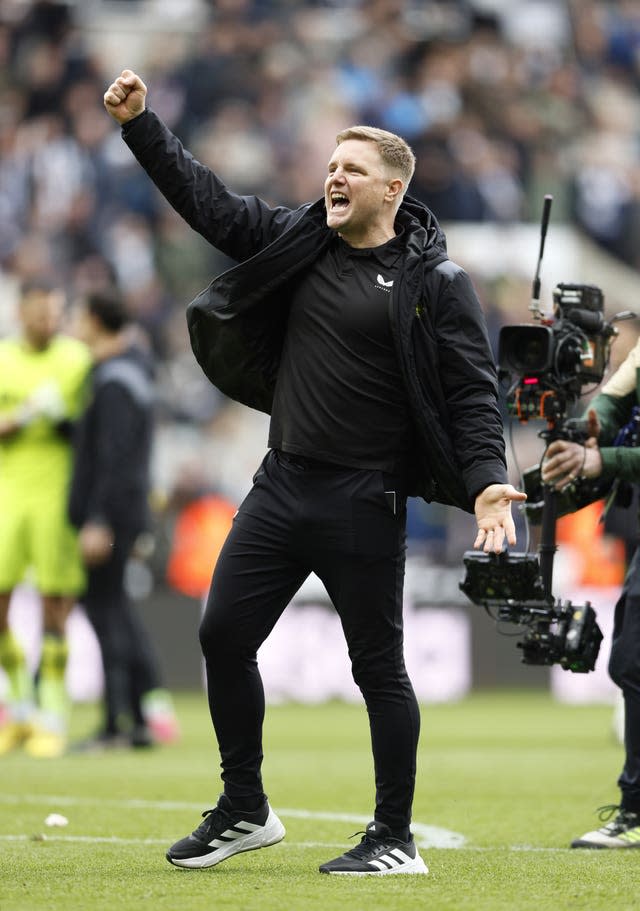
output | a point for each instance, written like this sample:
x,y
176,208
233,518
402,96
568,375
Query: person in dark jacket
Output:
x,y
346,321
613,410
108,504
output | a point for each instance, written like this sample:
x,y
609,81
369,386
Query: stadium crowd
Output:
x,y
503,102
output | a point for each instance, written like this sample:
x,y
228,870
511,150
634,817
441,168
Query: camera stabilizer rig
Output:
x,y
548,365
511,589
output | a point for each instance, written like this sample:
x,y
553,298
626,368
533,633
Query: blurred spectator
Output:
x,y
108,504
42,378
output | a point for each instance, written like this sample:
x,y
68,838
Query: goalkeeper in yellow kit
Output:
x,y
42,382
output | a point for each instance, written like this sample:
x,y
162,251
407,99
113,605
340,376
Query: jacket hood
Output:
x,y
133,369
418,221
136,354
143,356
424,230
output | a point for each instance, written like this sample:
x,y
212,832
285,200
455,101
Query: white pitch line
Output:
x,y
116,840
128,803
426,836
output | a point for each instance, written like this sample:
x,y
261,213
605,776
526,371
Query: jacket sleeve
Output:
x,y
613,406
117,427
239,226
469,382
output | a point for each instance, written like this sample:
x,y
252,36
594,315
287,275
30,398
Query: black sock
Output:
x,y
247,804
631,809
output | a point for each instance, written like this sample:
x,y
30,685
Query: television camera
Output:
x,y
511,589
547,365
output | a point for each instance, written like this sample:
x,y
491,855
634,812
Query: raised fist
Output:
x,y
125,98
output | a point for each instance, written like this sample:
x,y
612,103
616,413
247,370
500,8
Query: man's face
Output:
x,y
357,193
41,315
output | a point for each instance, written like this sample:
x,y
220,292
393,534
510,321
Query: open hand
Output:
x,y
493,514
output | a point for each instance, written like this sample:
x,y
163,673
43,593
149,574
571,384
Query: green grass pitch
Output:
x,y
505,779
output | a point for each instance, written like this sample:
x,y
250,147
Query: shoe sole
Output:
x,y
415,868
47,753
270,834
16,738
591,845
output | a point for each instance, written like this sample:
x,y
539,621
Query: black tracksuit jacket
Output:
x,y
237,324
112,446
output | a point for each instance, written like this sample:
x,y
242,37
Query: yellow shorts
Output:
x,y
37,538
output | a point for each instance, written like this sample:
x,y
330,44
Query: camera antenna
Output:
x,y
535,291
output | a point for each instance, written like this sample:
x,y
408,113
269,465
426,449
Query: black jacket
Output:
x,y
112,446
237,324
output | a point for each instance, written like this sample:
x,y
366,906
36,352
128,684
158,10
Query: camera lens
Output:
x,y
524,349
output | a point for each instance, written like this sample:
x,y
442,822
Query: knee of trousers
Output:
x,y
376,681
221,639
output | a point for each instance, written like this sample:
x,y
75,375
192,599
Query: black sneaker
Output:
x,y
140,737
101,742
226,832
377,854
622,832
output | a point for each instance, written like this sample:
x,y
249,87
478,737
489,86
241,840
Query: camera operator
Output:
x,y
563,463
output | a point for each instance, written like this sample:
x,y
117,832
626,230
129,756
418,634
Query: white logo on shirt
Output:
x,y
384,285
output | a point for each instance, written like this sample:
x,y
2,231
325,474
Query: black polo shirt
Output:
x,y
339,395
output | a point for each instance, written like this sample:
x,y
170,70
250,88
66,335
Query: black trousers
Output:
x,y
129,662
347,526
624,669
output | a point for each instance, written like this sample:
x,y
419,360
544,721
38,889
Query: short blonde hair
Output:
x,y
395,152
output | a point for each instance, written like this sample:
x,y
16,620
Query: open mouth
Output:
x,y
338,201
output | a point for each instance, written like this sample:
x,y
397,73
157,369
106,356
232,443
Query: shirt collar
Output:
x,y
385,254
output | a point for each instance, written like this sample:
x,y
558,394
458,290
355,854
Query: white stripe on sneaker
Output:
x,y
391,861
234,842
402,857
380,864
239,830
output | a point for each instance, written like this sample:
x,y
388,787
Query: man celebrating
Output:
x,y
345,321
